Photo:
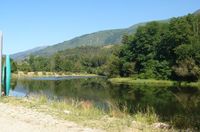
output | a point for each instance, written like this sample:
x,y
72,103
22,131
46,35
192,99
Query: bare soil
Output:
x,y
21,119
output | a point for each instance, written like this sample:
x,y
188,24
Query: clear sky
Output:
x,y
31,23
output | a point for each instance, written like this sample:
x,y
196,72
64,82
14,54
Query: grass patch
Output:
x,y
152,82
142,81
191,84
84,113
149,116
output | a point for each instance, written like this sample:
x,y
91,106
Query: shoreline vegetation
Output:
x,y
22,74
158,52
135,81
85,114
117,80
168,50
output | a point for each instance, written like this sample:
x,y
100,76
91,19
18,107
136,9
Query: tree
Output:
x,y
58,63
13,66
31,62
186,70
128,69
24,67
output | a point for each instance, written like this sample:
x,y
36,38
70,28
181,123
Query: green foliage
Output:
x,y
128,69
100,38
159,49
24,67
13,66
82,59
113,66
187,70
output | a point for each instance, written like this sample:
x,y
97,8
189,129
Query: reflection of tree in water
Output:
x,y
189,98
90,90
82,89
167,102
13,84
141,97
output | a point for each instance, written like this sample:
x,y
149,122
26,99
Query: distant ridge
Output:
x,y
22,55
101,38
197,12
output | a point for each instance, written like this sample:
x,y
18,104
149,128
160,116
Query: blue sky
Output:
x,y
31,23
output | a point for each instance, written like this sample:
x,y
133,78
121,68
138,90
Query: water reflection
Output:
x,y
177,103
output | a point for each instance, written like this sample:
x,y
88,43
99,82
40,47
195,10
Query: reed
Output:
x,y
85,113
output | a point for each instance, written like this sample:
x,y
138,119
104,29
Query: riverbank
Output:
x,y
21,74
21,119
153,82
81,113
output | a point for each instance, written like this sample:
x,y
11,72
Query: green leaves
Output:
x,y
187,70
158,49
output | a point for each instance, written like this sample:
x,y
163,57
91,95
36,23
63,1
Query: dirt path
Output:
x,y
20,119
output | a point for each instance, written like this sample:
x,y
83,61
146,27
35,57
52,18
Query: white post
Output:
x,y
1,47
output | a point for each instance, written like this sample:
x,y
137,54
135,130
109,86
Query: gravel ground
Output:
x,y
20,119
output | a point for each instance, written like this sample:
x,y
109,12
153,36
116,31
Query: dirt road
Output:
x,y
20,119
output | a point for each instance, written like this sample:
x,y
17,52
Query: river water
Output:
x,y
179,104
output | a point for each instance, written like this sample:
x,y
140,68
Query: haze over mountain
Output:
x,y
101,38
24,54
197,12
106,37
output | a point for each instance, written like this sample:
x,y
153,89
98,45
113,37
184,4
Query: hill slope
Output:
x,y
197,12
100,38
24,54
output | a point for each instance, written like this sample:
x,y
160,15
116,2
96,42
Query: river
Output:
x,y
180,104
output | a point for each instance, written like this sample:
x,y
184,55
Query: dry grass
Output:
x,y
84,113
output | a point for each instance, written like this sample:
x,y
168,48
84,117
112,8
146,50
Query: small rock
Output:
x,y
161,125
67,112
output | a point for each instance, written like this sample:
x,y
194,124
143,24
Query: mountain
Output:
x,y
101,38
22,55
197,12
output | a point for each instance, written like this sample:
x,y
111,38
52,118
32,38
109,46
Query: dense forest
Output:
x,y
86,59
159,50
162,51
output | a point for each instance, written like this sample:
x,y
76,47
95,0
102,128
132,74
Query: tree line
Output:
x,y
89,59
158,50
161,50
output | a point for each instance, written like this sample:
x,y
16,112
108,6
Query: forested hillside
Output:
x,y
101,38
157,50
88,59
161,51
22,55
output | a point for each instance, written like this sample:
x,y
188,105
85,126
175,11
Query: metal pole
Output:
x,y
8,74
1,47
